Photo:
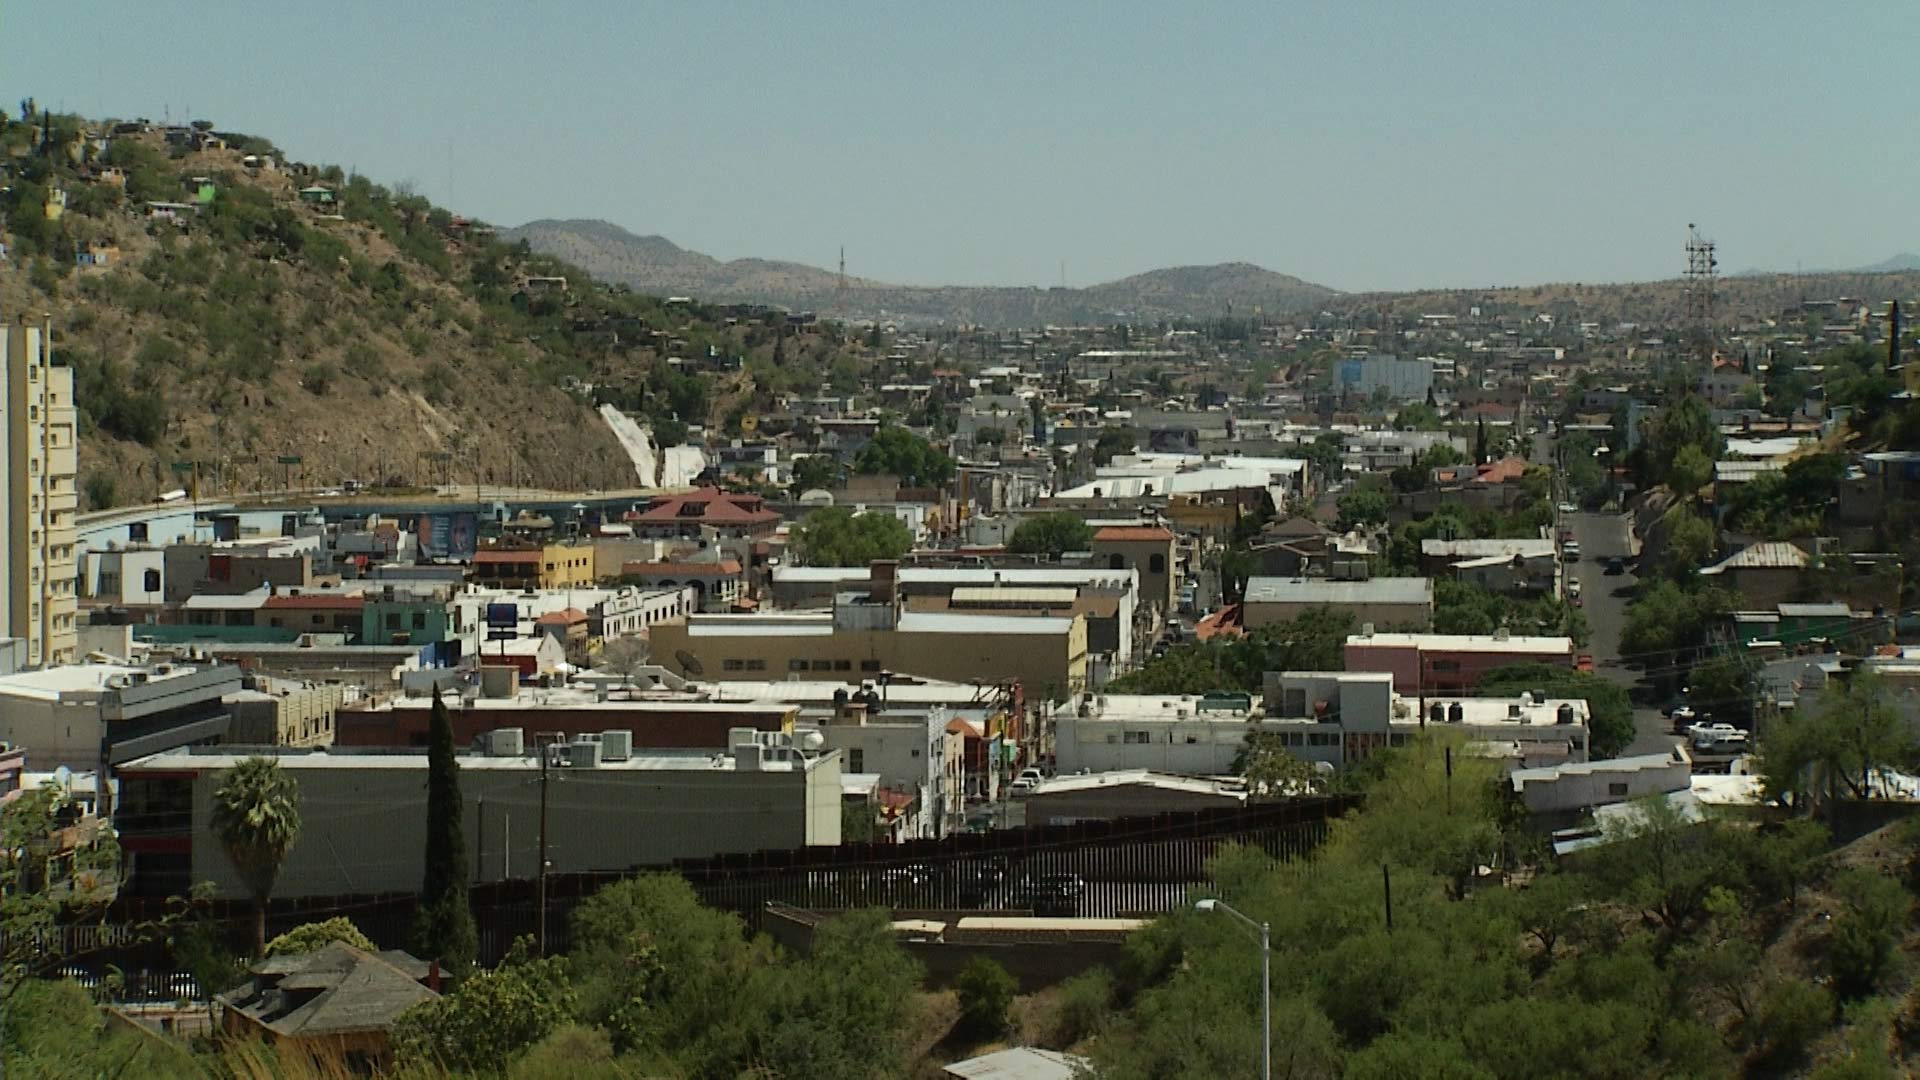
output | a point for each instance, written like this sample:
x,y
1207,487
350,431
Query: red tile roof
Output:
x,y
563,617
1114,533
708,505
1499,472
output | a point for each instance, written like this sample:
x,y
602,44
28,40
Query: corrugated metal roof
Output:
x,y
1771,555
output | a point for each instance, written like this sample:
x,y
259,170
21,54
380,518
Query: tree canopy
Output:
x,y
1051,535
900,452
834,536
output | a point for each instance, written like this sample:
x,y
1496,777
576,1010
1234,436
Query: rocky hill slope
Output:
x,y
655,264
364,331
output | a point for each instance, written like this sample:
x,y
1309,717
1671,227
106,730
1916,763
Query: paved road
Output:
x,y
1601,537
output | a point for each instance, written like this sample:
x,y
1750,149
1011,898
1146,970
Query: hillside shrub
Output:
x,y
1082,1005
310,936
986,993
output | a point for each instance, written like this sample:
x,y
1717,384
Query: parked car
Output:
x,y
1029,777
1052,895
1703,733
1569,508
1570,551
1616,566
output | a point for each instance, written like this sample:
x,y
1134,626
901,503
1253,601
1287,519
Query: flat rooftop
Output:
x,y
581,699
50,684
1490,643
214,759
1280,590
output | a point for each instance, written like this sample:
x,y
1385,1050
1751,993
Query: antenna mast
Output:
x,y
1703,270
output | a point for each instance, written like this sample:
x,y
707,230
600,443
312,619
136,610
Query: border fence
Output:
x,y
1138,866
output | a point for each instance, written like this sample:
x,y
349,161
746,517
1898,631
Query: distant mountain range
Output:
x,y
1899,264
654,264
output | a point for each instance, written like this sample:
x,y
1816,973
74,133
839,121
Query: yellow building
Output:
x,y
1147,549
1047,655
37,512
555,566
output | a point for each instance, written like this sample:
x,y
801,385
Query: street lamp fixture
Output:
x,y
1208,907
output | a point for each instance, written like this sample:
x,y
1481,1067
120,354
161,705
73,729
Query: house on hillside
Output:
x,y
336,1005
732,515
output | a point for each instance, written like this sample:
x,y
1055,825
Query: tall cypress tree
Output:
x,y
443,926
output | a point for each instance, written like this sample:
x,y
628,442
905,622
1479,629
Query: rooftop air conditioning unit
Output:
x,y
506,742
583,755
616,745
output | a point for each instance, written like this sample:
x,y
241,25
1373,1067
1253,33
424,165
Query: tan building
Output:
x,y
37,513
858,641
555,566
1145,548
1385,603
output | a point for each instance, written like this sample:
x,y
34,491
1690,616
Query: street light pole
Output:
x,y
1266,983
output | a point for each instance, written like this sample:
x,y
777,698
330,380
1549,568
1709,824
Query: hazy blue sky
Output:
x,y
1362,145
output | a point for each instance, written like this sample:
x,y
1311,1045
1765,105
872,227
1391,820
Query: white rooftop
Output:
x,y
1385,590
1059,785
295,761
50,684
1555,646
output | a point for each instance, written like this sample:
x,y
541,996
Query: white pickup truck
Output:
x,y
1717,738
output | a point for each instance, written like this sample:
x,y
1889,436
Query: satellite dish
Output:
x,y
689,663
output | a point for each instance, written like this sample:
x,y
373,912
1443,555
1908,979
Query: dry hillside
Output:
x,y
388,342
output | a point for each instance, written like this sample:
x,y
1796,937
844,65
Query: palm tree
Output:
x,y
256,815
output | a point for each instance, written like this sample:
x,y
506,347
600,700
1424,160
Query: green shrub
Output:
x,y
986,993
308,937
1083,1004
317,378
1867,931
1791,1016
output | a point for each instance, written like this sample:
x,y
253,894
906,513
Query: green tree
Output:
x,y
900,452
256,816
834,536
1689,471
1361,507
1668,623
1269,770
1866,934
1690,541
310,936
1188,669
844,1011
490,1016
1052,535
40,893
443,924
1113,442
816,471
986,993
1854,735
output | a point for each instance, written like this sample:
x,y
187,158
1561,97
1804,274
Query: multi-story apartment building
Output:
x,y
38,603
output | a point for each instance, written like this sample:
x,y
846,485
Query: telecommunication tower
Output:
x,y
843,275
1703,271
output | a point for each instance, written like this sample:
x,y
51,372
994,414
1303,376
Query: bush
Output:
x,y
491,1015
1082,1005
102,492
317,378
1791,1015
986,993
311,936
1866,933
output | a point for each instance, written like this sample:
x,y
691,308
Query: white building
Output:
x,y
1331,718
78,715
38,604
910,751
1574,786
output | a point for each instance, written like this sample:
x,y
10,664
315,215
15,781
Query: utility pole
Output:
x,y
540,904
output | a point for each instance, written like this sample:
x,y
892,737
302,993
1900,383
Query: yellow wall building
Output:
x,y
37,511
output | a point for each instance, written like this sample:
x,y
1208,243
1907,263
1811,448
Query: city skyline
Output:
x,y
1385,147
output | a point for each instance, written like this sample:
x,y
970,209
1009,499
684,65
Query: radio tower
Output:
x,y
1703,269
842,287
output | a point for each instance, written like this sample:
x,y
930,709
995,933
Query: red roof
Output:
x,y
1132,532
563,617
708,505
311,601
1499,472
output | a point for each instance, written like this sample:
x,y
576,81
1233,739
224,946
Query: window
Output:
x,y
915,752
1157,564
857,760
1317,738
756,665
823,665
151,580
1446,665
1618,791
733,665
869,665
843,665
319,620
393,620
419,620
1116,561
1136,738
796,665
